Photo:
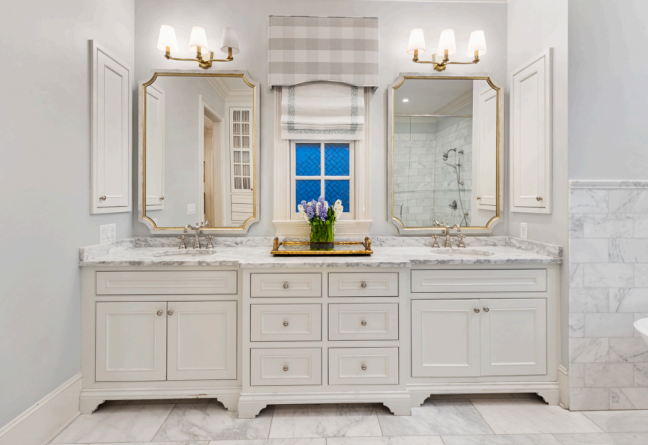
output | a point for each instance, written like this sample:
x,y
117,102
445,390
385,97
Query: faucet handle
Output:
x,y
461,237
435,244
209,242
182,242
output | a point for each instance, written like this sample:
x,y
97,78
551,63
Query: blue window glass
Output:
x,y
335,190
336,159
308,160
307,190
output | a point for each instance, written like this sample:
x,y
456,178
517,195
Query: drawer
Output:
x,y
166,283
363,284
242,217
363,321
286,285
292,367
242,208
238,198
363,366
286,322
529,280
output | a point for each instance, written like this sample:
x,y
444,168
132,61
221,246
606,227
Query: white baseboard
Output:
x,y
45,419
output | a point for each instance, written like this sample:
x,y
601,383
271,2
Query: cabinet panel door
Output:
x,y
487,143
131,341
514,337
155,125
445,338
202,340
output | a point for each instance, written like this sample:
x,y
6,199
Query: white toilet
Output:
x,y
642,327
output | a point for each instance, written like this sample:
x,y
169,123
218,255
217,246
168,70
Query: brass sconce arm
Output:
x,y
446,61
205,64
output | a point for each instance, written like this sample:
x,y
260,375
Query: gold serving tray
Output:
x,y
303,248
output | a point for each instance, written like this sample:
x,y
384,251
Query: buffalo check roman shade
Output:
x,y
307,49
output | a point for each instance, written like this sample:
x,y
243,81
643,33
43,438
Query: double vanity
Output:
x,y
249,329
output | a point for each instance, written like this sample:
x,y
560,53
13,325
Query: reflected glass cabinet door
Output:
x,y
241,139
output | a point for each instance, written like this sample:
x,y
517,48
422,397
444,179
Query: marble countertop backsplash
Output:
x,y
255,252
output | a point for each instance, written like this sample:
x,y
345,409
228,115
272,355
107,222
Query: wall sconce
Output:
x,y
446,48
198,42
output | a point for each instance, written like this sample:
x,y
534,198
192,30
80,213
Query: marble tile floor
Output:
x,y
503,419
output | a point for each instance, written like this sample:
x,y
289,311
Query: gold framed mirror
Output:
x,y
445,153
198,151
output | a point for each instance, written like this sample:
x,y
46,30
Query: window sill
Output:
x,y
358,228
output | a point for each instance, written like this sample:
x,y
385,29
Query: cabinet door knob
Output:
x,y
363,367
160,313
161,198
476,310
479,198
363,284
538,198
285,286
363,322
102,198
486,309
285,368
170,312
285,323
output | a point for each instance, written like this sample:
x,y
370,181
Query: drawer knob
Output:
x,y
285,323
364,367
102,198
538,198
285,368
363,284
170,312
476,310
285,286
160,313
363,322
486,309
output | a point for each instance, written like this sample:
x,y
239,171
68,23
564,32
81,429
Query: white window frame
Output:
x,y
359,220
348,213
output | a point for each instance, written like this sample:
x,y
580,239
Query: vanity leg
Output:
x,y
402,407
418,398
249,410
87,405
551,396
231,402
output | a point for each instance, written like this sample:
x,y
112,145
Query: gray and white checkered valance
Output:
x,y
306,49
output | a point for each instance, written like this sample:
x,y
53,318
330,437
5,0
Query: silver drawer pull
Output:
x,y
285,286
285,323
102,198
486,309
363,322
538,198
159,313
364,367
285,368
476,310
363,285
170,312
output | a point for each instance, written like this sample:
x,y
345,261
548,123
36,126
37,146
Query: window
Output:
x,y
322,169
241,148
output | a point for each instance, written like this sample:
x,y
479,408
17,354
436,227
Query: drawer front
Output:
x,y
167,283
286,322
242,208
238,198
363,366
242,217
363,321
530,280
292,367
286,285
363,284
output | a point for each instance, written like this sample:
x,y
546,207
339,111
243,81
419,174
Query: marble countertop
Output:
x,y
254,252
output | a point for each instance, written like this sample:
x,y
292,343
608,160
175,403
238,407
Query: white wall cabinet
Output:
x,y
531,136
111,133
202,340
479,337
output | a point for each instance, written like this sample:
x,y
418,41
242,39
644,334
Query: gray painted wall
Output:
x,y
608,135
250,18
45,122
534,26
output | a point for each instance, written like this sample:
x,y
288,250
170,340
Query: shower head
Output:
x,y
445,155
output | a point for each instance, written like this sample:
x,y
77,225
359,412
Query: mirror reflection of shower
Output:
x,y
457,169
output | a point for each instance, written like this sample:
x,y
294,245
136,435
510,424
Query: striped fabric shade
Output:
x,y
306,49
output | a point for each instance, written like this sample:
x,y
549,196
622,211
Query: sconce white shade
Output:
x,y
477,42
198,39
167,38
230,40
447,42
416,42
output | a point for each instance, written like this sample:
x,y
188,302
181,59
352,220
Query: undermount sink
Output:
x,y
184,253
461,252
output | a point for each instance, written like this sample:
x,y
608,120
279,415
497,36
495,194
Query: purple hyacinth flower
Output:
x,y
310,211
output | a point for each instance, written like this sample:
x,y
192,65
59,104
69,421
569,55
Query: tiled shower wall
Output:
x,y
608,255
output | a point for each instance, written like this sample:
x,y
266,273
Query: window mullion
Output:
x,y
323,170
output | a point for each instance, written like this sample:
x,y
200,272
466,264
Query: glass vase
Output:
x,y
322,237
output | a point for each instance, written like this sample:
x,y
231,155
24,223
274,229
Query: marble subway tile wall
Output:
x,y
608,245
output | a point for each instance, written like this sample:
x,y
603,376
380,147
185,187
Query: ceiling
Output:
x,y
428,96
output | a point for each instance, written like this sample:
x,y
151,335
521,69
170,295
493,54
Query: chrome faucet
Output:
x,y
447,234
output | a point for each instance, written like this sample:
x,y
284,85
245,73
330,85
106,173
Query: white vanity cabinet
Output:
x,y
159,333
